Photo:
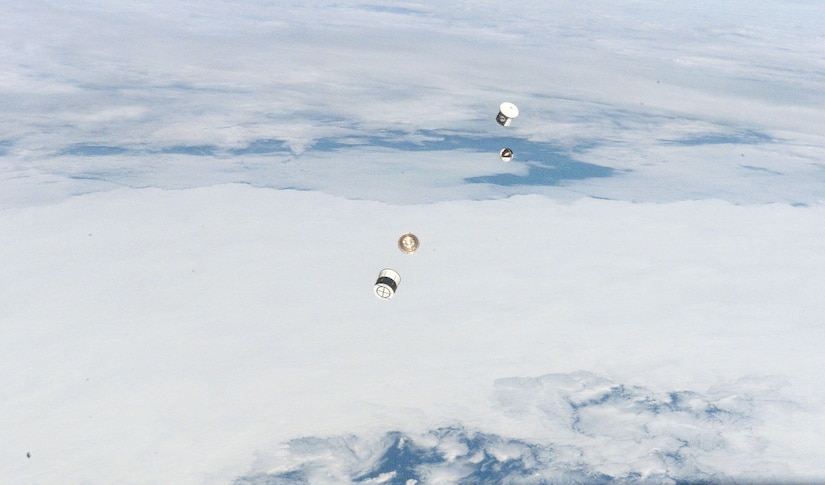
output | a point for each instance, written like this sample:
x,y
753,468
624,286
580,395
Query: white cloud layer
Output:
x,y
592,431
196,197
682,101
170,335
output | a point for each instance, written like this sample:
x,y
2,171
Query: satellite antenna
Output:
x,y
506,113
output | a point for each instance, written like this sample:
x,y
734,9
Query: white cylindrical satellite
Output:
x,y
387,283
506,113
408,243
505,155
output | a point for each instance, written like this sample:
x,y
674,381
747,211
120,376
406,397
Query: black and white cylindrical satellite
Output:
x,y
506,113
387,283
505,154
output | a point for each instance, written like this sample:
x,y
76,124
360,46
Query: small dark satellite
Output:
x,y
505,155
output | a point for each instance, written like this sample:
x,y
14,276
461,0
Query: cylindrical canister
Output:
x,y
506,113
387,283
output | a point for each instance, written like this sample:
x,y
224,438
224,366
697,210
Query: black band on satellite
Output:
x,y
386,280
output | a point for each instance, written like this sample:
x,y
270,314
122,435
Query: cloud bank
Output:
x,y
166,335
678,104
595,431
196,197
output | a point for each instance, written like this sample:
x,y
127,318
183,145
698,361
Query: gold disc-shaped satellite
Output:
x,y
408,243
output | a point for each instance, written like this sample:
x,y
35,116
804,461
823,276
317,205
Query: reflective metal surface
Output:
x,y
408,243
505,154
